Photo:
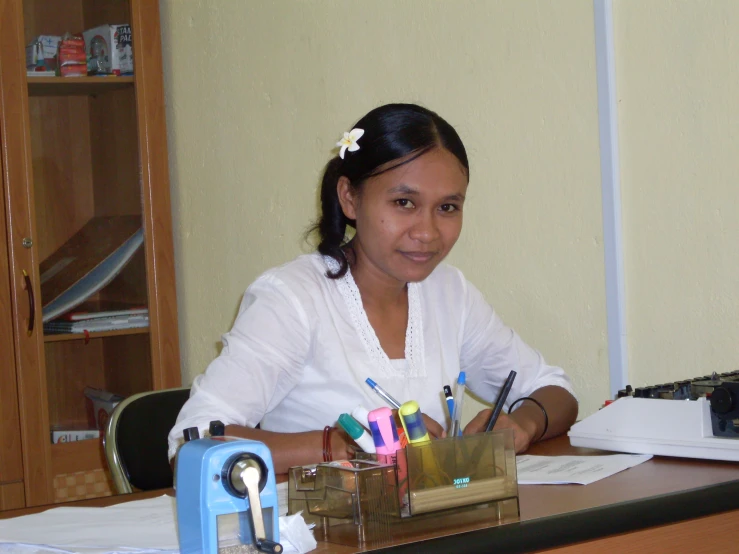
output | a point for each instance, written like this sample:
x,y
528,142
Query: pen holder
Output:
x,y
461,482
460,471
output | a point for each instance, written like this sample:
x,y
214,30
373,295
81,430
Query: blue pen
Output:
x,y
457,415
382,394
449,400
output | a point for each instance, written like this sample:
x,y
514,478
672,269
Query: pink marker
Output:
x,y
384,431
387,444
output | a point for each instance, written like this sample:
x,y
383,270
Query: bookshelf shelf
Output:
x,y
98,335
76,86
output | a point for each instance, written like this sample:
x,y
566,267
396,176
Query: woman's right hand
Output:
x,y
435,430
522,434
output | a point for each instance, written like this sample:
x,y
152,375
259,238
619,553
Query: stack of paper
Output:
x,y
141,526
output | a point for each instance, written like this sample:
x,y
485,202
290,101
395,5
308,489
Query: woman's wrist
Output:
x,y
530,419
327,450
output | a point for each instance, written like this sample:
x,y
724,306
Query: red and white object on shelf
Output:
x,y
100,404
72,60
109,50
41,53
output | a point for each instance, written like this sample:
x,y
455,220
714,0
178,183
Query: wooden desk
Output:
x,y
659,506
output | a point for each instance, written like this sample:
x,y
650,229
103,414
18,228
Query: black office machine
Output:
x,y
693,418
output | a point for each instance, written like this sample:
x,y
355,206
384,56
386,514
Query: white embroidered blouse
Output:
x,y
302,347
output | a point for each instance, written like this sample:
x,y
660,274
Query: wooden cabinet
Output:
x,y
75,149
11,464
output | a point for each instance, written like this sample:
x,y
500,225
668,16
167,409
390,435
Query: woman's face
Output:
x,y
408,218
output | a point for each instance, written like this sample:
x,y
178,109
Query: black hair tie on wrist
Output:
x,y
535,401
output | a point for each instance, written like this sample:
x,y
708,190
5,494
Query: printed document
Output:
x,y
581,470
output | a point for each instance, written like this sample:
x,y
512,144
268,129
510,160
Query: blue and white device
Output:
x,y
220,476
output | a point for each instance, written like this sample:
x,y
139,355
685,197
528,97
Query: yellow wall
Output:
x,y
679,90
258,93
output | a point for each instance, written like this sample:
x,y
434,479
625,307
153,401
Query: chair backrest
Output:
x,y
136,439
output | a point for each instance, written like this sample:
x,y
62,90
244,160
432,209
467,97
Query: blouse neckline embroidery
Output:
x,y
414,347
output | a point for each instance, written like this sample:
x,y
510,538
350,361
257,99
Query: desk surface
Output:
x,y
656,493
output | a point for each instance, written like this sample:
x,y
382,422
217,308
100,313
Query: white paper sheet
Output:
x,y
282,498
141,526
582,470
128,527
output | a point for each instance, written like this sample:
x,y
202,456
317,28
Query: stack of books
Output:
x,y
94,322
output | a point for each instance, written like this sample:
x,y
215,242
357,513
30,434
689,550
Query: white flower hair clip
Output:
x,y
349,141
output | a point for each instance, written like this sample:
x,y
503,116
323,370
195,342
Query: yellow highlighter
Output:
x,y
412,420
426,470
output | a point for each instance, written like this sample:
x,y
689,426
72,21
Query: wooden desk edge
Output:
x,y
606,525
644,517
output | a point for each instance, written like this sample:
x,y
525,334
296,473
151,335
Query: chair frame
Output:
x,y
110,444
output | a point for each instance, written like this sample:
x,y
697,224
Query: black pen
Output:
x,y
502,395
449,400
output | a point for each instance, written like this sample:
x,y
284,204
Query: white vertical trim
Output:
x,y
611,193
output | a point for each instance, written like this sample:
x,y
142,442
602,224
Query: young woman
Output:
x,y
379,304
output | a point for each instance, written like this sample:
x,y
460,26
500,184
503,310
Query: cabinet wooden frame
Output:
x,y
145,95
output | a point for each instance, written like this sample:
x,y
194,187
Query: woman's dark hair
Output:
x,y
393,132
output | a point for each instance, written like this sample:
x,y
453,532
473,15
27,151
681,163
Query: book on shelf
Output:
x,y
97,324
103,308
87,262
62,434
83,316
45,73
